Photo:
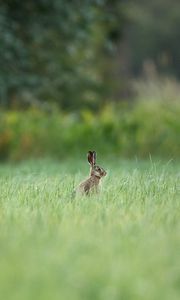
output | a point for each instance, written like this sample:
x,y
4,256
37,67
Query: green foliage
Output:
x,y
153,34
78,54
49,50
143,129
123,244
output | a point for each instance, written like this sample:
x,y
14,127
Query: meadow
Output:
x,y
121,244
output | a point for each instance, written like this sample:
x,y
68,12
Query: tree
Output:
x,y
50,49
153,34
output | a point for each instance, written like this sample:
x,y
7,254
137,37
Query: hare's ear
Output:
x,y
90,157
94,157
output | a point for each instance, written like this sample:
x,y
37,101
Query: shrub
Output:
x,y
138,130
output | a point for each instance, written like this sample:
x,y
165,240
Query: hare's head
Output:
x,y
95,170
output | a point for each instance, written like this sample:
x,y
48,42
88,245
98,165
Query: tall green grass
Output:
x,y
122,244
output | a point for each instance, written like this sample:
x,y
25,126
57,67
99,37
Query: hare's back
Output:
x,y
85,186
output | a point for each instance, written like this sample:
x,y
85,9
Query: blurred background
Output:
x,y
102,74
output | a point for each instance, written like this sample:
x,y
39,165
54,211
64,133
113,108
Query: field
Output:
x,y
122,244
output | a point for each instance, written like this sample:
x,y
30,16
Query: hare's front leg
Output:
x,y
97,189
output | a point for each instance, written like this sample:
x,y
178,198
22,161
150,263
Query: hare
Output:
x,y
96,173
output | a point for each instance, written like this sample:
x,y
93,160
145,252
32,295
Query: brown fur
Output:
x,y
91,185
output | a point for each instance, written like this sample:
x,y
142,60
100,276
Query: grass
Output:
x,y
122,244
